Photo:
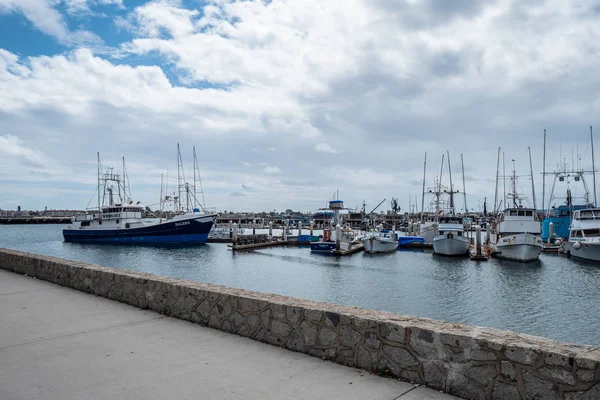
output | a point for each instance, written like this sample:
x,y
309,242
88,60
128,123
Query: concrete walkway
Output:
x,y
58,343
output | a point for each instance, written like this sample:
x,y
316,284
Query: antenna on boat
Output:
x,y
532,185
423,192
462,163
544,175
593,165
497,171
451,186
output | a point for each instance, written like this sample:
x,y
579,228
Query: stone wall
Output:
x,y
467,361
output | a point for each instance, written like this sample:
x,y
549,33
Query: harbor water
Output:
x,y
558,298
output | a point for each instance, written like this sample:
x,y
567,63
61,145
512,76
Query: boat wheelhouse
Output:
x,y
584,237
451,239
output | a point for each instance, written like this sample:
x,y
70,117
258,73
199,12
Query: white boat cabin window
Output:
x,y
586,233
585,214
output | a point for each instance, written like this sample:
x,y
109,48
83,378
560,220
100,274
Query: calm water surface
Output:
x,y
555,297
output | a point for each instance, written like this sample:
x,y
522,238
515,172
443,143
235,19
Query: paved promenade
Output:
x,y
58,343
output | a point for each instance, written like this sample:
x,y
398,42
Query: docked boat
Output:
x,y
518,230
452,239
118,220
518,237
584,236
335,235
381,241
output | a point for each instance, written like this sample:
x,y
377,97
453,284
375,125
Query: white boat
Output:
x,y
451,240
518,230
584,235
518,236
381,241
428,230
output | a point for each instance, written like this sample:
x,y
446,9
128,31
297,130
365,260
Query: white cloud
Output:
x,y
325,148
383,80
45,17
270,169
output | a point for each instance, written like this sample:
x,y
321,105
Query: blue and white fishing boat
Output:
x,y
574,177
118,220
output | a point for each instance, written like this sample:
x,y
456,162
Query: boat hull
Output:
x,y
523,247
586,251
451,245
188,231
374,245
322,247
427,232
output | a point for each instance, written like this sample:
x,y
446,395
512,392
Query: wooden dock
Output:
x,y
417,246
355,248
255,246
550,248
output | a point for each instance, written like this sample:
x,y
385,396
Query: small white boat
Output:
x,y
382,241
584,235
451,240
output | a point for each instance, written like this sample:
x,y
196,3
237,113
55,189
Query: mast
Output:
x,y
99,176
423,192
497,170
180,179
160,203
451,186
514,184
532,185
439,190
593,165
544,175
197,169
504,177
462,163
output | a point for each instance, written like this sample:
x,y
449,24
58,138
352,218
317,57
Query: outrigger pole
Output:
x,y
98,156
497,172
532,185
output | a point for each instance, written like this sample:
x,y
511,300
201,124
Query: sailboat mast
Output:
x,y
532,184
451,186
423,192
497,171
462,163
593,165
544,175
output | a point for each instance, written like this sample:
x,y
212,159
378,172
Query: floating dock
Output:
x,y
355,248
417,246
550,248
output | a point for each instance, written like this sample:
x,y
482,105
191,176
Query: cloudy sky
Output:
x,y
288,101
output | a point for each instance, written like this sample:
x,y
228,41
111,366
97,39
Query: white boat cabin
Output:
x,y
451,224
519,220
585,226
111,217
